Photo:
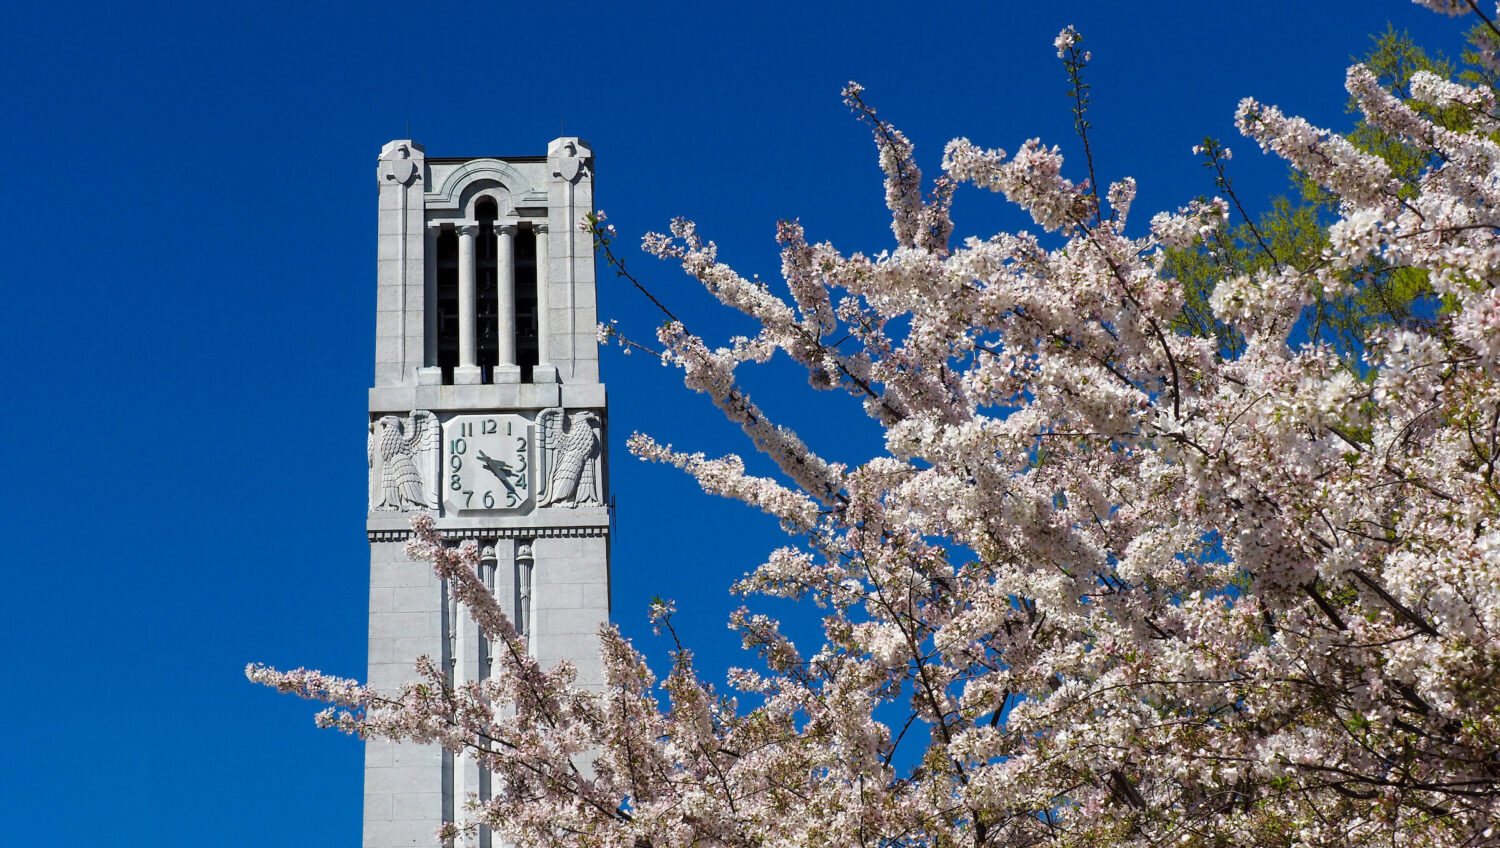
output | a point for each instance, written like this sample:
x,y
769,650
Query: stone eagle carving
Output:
x,y
570,449
406,450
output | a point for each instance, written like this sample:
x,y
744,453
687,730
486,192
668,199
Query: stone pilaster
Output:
x,y
400,257
403,783
570,197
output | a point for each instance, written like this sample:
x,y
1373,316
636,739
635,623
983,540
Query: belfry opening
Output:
x,y
500,297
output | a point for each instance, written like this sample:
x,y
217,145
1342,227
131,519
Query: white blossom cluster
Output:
x,y
1107,584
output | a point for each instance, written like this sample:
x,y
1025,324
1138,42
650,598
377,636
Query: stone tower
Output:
x,y
487,411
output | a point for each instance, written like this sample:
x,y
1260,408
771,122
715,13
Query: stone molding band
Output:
x,y
477,533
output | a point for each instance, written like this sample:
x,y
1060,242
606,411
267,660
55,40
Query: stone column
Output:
x,y
507,371
430,374
545,371
487,566
468,307
524,563
468,667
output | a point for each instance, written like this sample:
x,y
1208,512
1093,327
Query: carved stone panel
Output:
x,y
404,455
569,159
397,166
569,447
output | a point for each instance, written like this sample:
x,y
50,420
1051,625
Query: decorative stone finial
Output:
x,y
569,158
397,165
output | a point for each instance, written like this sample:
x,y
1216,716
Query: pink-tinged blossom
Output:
x,y
1121,196
1103,584
1065,39
1479,103
311,684
1357,177
1446,7
1195,221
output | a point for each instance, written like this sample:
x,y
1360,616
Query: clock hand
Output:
x,y
501,471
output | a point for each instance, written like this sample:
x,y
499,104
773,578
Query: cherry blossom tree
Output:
x,y
1110,582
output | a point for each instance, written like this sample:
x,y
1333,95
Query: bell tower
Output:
x,y
488,413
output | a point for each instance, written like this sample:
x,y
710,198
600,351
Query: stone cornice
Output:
x,y
547,523
458,534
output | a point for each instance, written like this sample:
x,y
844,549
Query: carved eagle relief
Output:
x,y
571,451
407,451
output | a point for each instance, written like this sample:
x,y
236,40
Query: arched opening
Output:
x,y
522,349
486,276
446,265
527,317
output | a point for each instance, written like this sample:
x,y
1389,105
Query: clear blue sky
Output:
x,y
189,246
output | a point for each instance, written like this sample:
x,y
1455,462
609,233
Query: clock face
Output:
x,y
486,463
